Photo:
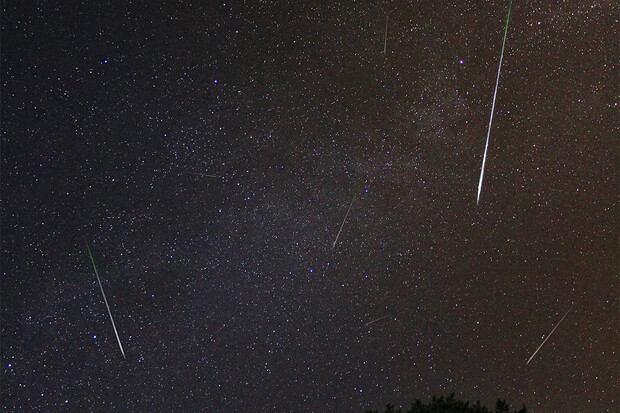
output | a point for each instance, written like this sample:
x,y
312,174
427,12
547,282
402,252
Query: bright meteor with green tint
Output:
x,y
486,147
105,299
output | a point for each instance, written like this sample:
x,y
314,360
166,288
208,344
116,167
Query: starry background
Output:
x,y
225,289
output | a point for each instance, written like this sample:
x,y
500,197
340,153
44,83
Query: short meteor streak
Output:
x,y
545,340
342,225
375,320
105,300
385,39
486,147
199,174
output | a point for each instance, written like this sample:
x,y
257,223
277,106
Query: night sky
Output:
x,y
208,153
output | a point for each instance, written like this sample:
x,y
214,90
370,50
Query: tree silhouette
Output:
x,y
451,405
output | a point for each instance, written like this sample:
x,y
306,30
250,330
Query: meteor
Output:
x,y
375,320
342,225
199,174
545,340
486,147
105,299
385,40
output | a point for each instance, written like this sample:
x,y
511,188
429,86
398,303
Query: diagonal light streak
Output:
x,y
486,146
105,300
545,340
342,225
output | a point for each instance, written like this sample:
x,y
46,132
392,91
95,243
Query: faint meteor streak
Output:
x,y
545,340
499,69
375,320
385,40
342,225
199,174
105,300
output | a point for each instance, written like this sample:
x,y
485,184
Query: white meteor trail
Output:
x,y
105,300
375,320
385,40
499,69
342,225
545,340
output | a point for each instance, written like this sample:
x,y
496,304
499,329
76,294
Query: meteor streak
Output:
x,y
545,340
199,174
375,320
105,300
499,69
342,225
385,41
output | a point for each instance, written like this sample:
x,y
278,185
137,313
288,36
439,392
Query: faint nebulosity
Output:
x,y
208,153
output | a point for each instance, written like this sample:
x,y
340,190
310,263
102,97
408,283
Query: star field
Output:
x,y
208,153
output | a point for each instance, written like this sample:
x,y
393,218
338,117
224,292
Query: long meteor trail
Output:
x,y
545,340
105,300
342,225
499,69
